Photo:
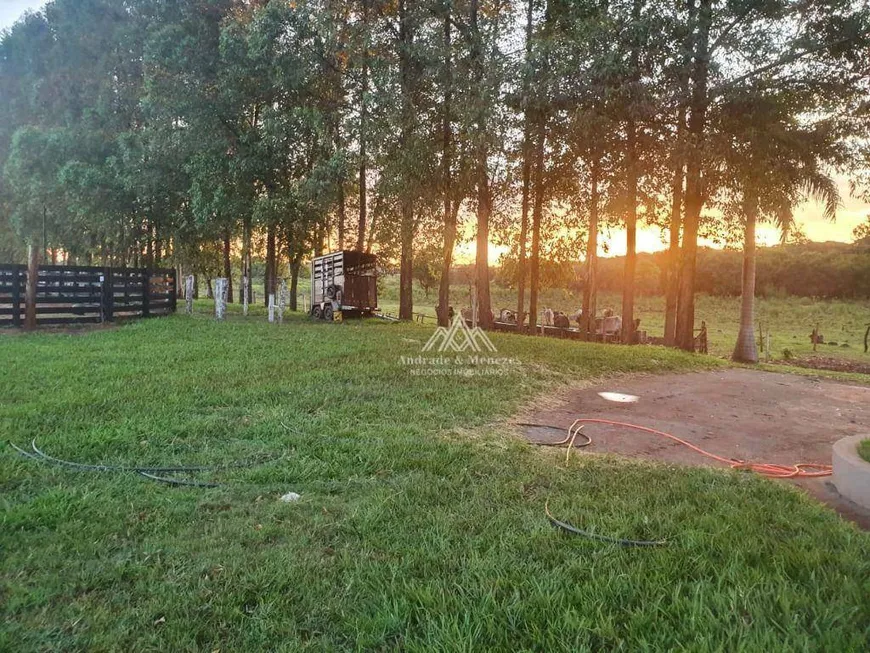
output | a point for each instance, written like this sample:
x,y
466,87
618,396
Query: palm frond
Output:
x,y
823,188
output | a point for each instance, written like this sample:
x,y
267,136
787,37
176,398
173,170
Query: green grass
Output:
x,y
789,319
864,449
421,523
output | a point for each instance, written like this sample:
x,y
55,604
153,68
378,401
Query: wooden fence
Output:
x,y
70,294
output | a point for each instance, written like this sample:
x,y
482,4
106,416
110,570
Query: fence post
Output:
x,y
16,297
188,294
146,292
32,284
220,298
245,297
107,298
173,293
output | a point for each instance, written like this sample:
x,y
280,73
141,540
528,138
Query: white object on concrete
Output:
x,y
619,397
851,471
220,298
290,497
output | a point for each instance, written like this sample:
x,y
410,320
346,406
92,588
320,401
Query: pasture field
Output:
x,y
421,522
790,320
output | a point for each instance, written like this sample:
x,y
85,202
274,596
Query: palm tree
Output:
x,y
775,163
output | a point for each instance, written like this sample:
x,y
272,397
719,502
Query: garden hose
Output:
x,y
568,528
178,481
769,470
109,468
147,472
567,438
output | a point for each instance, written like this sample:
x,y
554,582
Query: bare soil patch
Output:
x,y
735,413
828,363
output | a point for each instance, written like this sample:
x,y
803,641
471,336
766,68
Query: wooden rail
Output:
x,y
70,294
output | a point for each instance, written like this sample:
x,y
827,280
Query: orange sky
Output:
x,y
809,215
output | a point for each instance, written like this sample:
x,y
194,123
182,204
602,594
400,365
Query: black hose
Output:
x,y
600,538
120,468
40,456
22,451
177,481
112,468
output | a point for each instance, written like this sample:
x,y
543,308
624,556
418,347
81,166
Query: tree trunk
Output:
x,y
484,198
408,86
673,260
484,209
537,212
406,269
342,214
527,174
269,281
745,350
628,277
672,285
294,281
685,328
443,310
318,240
30,288
590,288
363,125
630,239
149,248
228,265
246,260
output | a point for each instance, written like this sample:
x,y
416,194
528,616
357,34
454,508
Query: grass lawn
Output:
x,y
864,450
421,524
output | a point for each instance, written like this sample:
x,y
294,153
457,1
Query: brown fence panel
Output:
x,y
72,294
13,279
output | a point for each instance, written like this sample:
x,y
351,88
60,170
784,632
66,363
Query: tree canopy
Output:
x,y
193,131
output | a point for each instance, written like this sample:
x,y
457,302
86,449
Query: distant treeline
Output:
x,y
829,270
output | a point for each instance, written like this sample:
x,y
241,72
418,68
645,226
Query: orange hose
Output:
x,y
770,470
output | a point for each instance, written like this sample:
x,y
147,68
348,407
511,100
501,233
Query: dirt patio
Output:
x,y
735,413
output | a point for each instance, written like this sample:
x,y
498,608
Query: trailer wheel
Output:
x,y
327,313
316,312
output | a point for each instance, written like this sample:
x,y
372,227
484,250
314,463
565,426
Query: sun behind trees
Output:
x,y
145,132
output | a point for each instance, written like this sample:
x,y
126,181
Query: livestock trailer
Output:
x,y
344,283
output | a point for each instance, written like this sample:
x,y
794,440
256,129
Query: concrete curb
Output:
x,y
851,472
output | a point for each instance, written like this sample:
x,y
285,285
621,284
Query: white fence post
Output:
x,y
188,294
271,307
245,297
220,298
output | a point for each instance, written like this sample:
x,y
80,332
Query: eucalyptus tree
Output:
x,y
484,62
456,166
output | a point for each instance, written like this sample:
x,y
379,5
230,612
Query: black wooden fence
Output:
x,y
70,294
